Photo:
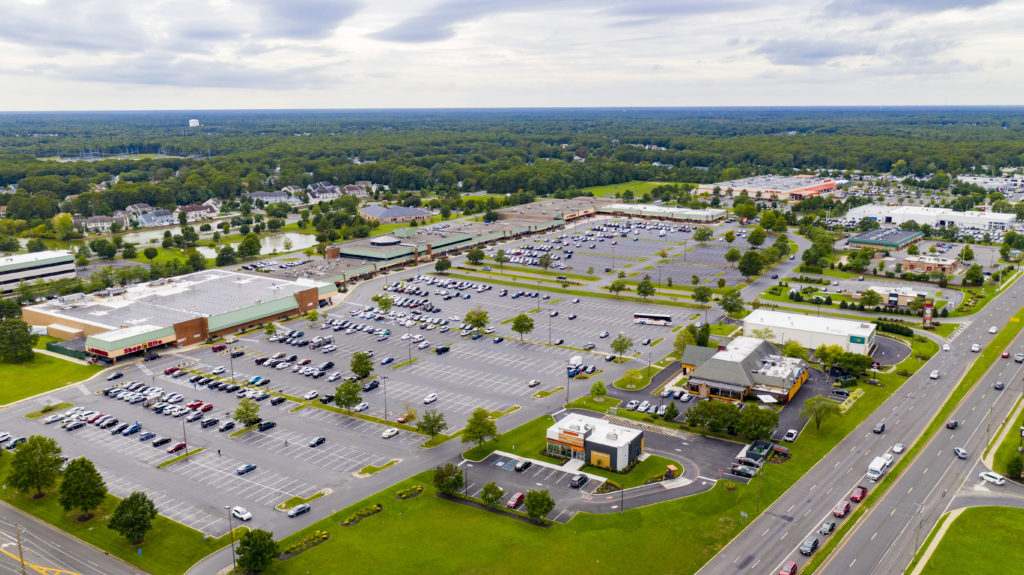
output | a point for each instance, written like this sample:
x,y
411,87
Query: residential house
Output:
x,y
276,197
323,192
156,218
194,212
136,210
99,224
215,204
393,214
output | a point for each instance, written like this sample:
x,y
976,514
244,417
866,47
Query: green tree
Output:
x,y
974,275
751,264
818,409
538,504
695,279
182,218
545,261
683,339
622,344
671,411
870,298
383,302
617,286
271,329
82,487
730,236
731,301
448,478
500,258
347,395
129,252
1015,466
16,341
757,236
644,289
733,255
133,517
855,364
722,415
598,389
794,349
35,245
247,412
150,253
702,295
476,318
967,254
312,316
432,423
257,550
442,265
62,225
226,256
764,333
703,234
9,308
250,246
475,256
491,494
913,250
36,465
479,428
757,423
361,365
522,324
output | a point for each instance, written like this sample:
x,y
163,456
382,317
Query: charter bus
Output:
x,y
652,319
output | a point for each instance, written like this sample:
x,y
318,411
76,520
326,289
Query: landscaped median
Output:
x,y
985,361
185,455
169,548
52,408
293,501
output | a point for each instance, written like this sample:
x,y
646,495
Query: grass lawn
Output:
x,y
638,187
1008,448
980,540
526,440
295,500
43,340
169,549
723,330
39,375
371,469
635,378
512,268
592,403
651,467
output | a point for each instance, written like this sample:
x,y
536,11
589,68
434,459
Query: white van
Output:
x,y
934,374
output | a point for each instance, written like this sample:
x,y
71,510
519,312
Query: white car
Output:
x,y
334,376
430,398
4,437
992,329
992,477
898,448
362,406
888,457
945,347
389,432
241,513
406,336
311,395
218,370
329,348
283,365
490,329
976,347
423,345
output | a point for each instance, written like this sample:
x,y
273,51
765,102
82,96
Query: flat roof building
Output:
x,y
934,217
812,331
743,366
886,238
175,312
664,213
595,441
774,187
393,214
46,265
926,263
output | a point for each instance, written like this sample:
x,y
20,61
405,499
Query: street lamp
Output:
x,y
231,360
549,329
234,565
185,437
465,472
385,388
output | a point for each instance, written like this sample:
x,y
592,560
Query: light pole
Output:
x,y
234,565
549,329
385,388
231,360
185,437
466,473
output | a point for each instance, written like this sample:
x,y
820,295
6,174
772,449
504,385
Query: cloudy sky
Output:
x,y
207,54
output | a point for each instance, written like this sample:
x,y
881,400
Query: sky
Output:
x,y
235,54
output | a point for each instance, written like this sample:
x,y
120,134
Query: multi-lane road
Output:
x,y
885,539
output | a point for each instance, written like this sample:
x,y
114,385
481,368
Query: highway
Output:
x,y
885,539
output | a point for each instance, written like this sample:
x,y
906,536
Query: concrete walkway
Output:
x,y
935,541
60,356
989,457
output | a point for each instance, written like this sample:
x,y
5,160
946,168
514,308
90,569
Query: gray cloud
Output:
x,y
798,52
72,25
872,7
305,18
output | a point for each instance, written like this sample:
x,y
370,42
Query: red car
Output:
x,y
516,500
859,493
205,407
789,568
170,370
218,347
194,403
402,419
305,362
1006,354
841,509
176,447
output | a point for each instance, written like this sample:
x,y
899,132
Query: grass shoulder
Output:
x,y
40,374
173,460
52,408
979,540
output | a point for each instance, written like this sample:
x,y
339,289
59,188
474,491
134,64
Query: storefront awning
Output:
x,y
766,398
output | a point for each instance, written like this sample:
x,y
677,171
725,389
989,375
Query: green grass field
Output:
x,y
639,188
980,540
169,549
41,374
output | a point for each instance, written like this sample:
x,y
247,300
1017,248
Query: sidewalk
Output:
x,y
989,456
935,542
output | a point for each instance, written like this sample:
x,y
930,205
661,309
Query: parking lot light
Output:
x,y
234,565
185,438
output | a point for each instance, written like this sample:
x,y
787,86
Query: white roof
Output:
x,y
125,332
809,323
601,431
34,257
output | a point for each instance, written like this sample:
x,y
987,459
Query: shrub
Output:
x,y
362,513
410,492
306,542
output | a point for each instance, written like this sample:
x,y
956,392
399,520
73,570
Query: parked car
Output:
x,y
516,500
176,447
389,432
578,481
245,468
241,513
790,435
317,441
298,510
523,465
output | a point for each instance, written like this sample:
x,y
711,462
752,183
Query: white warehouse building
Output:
x,y
812,331
934,217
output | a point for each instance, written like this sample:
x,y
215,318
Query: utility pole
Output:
x,y
385,386
21,553
234,564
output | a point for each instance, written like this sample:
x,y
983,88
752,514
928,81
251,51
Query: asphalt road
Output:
x,y
884,541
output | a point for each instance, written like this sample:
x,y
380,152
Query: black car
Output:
x,y
827,527
327,398
809,546
371,385
326,365
226,426
277,400
115,375
152,356
442,349
119,428
578,481
265,425
952,424
209,422
317,441
237,353
161,441
879,428
523,465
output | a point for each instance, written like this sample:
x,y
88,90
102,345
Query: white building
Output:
x,y
45,265
595,441
934,217
812,331
193,123
1009,184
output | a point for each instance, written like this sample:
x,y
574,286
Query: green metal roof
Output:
x,y
135,339
252,313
